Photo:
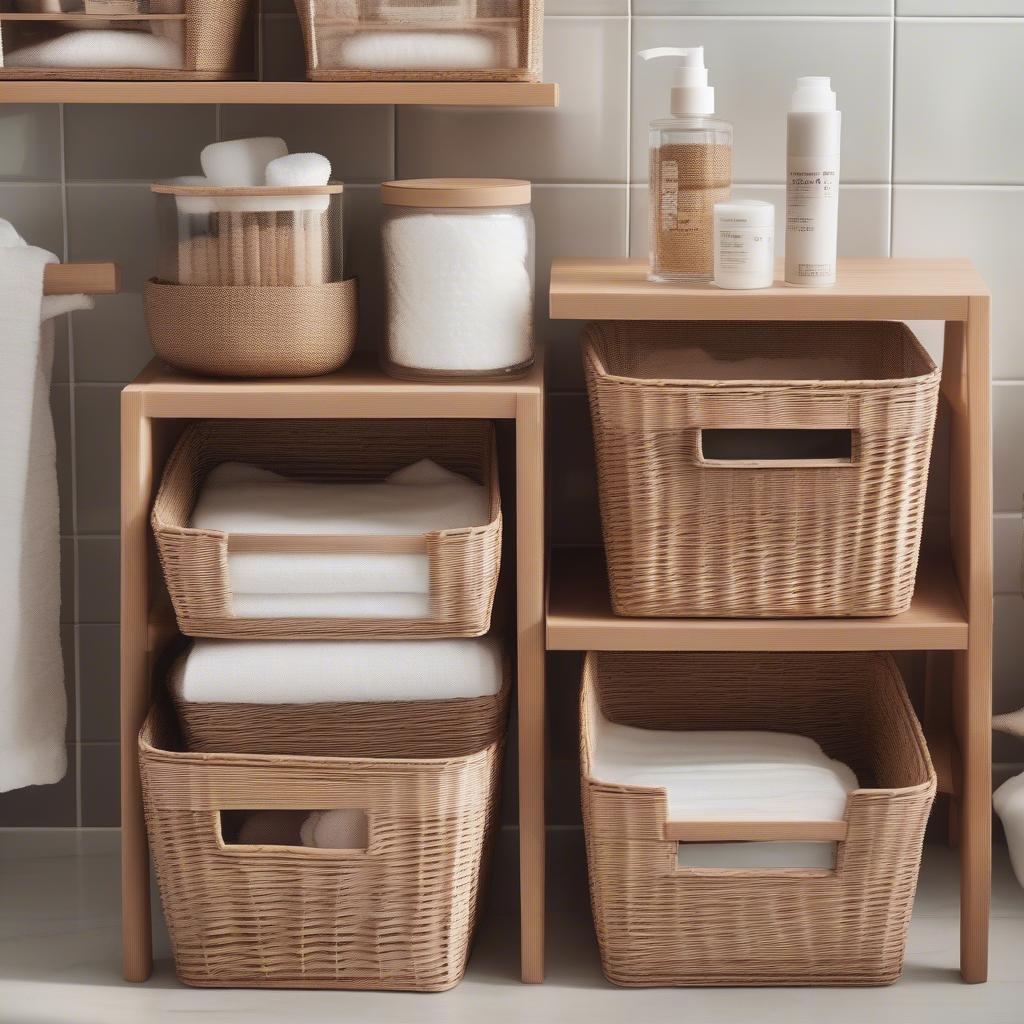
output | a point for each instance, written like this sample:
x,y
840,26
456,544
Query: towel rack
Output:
x,y
81,279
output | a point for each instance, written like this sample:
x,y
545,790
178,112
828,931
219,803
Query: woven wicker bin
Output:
x,y
426,728
250,331
688,534
464,563
399,915
513,28
659,924
217,42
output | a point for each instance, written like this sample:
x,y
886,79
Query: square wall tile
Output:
x,y
1007,431
863,217
98,685
363,261
284,53
753,65
29,142
1008,546
1008,654
101,785
36,212
42,806
60,409
584,140
959,8
759,8
136,142
572,221
99,579
359,141
97,453
581,8
575,516
113,222
67,580
965,122
983,224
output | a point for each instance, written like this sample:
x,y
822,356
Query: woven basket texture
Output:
x,y
250,331
399,915
690,537
218,45
464,563
365,15
658,924
408,728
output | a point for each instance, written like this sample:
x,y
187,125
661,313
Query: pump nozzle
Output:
x,y
691,93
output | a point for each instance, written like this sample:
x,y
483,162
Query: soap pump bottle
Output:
x,y
690,171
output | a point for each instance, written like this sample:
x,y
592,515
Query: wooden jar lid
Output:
x,y
456,192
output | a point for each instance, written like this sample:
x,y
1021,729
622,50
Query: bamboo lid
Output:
x,y
456,192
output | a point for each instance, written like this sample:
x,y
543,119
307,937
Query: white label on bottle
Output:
x,y
812,200
744,256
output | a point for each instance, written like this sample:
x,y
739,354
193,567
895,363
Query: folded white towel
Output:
x,y
336,830
258,573
726,776
1008,801
414,50
756,855
339,671
330,606
99,48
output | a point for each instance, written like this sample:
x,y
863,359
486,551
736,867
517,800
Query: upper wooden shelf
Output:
x,y
441,94
878,289
359,389
580,618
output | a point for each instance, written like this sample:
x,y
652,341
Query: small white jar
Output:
x,y
458,265
744,244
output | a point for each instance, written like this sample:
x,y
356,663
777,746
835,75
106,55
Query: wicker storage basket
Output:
x,y
216,39
507,35
426,728
463,562
690,533
659,924
398,915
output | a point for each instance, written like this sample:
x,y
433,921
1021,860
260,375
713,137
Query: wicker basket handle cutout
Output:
x,y
777,447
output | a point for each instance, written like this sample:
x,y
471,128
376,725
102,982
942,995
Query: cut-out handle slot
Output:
x,y
757,856
778,448
338,829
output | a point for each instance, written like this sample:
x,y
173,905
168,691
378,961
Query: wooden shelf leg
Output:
x,y
967,355
530,613
136,485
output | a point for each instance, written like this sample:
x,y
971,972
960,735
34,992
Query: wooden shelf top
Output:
x,y
580,619
446,94
359,389
899,289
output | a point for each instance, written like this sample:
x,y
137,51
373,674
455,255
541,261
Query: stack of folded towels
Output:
x,y
730,776
419,499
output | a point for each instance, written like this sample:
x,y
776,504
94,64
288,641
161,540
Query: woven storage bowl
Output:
x,y
687,535
409,728
464,563
659,924
221,331
399,915
217,45
516,26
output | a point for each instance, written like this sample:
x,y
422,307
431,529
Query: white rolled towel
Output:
x,y
336,830
99,48
1008,801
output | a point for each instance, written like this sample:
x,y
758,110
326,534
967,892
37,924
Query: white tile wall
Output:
x,y
932,163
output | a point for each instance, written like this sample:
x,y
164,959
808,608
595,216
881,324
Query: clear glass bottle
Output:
x,y
690,171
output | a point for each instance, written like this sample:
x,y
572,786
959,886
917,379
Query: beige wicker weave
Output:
x,y
249,331
464,563
425,728
399,915
522,37
218,45
687,535
659,924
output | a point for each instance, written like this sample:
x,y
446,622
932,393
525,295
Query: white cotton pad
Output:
x,y
299,169
415,50
241,162
99,48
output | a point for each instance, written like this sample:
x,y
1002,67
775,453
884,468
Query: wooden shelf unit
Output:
x,y
952,609
153,409
439,94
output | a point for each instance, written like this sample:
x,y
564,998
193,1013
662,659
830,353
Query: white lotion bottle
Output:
x,y
812,184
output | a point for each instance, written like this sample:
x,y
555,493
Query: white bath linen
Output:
x,y
263,573
330,606
336,671
410,51
726,776
33,706
99,48
1008,801
336,830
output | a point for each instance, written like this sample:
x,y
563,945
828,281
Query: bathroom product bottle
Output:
x,y
690,171
744,244
812,183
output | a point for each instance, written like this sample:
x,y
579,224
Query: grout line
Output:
x,y
892,125
629,121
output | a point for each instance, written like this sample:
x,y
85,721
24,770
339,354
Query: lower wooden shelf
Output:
x,y
580,618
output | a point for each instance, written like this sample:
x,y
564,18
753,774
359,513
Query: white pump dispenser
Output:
x,y
691,170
